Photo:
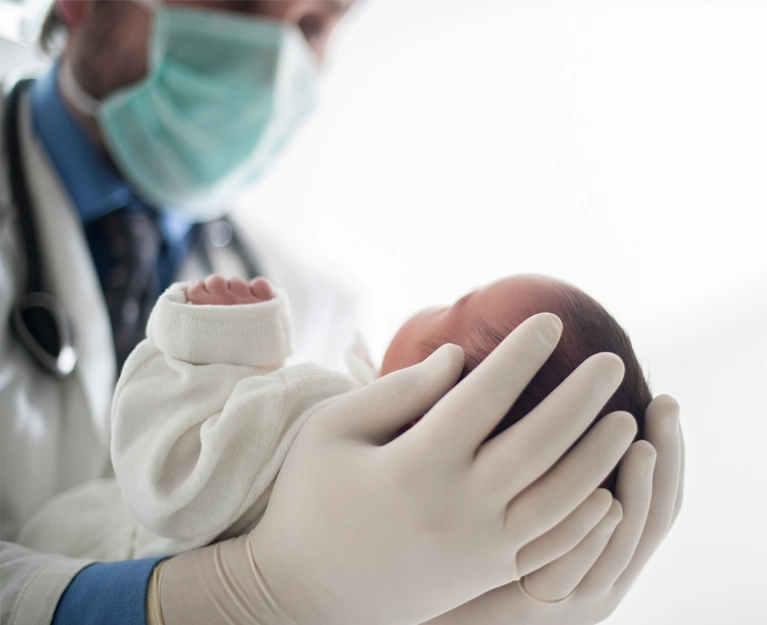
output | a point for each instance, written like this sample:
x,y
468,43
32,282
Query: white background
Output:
x,y
619,145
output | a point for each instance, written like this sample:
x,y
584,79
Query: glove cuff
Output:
x,y
198,586
153,607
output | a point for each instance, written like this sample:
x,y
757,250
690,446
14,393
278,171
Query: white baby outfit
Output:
x,y
203,416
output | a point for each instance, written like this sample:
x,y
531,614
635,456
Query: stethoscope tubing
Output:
x,y
19,190
35,304
52,347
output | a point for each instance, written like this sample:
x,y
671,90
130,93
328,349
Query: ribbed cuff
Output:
x,y
258,335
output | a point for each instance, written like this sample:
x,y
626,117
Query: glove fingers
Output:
x,y
662,432
680,488
634,491
517,457
471,410
547,502
557,580
566,535
377,411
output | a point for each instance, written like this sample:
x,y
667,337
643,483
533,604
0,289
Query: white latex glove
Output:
x,y
361,528
585,585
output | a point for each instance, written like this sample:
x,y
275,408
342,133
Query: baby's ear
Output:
x,y
261,288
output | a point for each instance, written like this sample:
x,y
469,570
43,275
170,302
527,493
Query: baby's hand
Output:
x,y
218,290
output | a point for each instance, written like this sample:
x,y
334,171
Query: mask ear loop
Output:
x,y
74,93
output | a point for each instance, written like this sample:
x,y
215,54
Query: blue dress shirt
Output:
x,y
107,593
94,185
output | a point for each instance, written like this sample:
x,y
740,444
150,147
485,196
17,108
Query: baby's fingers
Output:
x,y
216,284
239,287
196,289
261,288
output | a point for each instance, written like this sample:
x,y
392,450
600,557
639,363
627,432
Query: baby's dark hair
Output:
x,y
587,330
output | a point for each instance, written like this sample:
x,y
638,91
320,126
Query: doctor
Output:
x,y
116,169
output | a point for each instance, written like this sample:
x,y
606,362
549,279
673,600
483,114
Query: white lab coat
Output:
x,y
203,415
55,434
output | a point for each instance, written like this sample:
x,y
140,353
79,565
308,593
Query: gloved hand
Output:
x,y
363,528
584,586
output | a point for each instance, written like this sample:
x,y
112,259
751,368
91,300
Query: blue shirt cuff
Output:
x,y
104,593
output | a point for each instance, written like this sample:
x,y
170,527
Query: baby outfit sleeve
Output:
x,y
254,335
203,413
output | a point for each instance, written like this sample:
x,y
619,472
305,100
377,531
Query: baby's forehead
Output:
x,y
524,283
518,296
489,313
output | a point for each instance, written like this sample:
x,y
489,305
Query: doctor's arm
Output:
x,y
36,587
48,588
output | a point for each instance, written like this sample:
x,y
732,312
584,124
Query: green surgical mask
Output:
x,y
222,95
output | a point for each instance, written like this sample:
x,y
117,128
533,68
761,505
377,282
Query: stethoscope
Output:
x,y
40,322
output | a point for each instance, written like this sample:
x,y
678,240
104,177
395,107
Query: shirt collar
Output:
x,y
95,186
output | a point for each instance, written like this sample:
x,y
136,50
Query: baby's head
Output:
x,y
479,321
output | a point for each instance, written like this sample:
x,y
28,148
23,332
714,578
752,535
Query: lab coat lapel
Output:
x,y
71,276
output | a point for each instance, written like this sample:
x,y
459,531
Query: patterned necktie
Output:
x,y
132,285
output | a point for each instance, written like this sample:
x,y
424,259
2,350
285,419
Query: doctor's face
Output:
x,y
107,44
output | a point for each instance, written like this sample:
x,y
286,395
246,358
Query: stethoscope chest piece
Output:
x,y
45,332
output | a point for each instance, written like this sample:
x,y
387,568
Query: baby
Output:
x,y
480,320
205,410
